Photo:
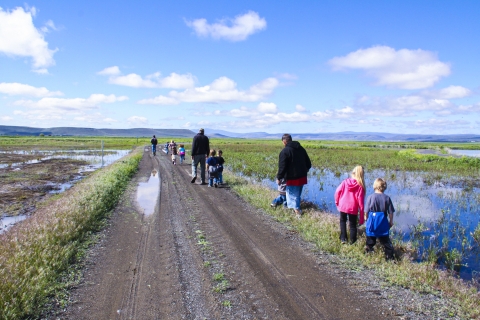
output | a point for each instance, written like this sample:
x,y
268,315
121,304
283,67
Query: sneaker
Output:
x,y
298,213
216,185
209,186
203,183
193,179
273,205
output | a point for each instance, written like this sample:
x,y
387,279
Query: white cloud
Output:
x,y
110,71
438,125
237,29
173,81
342,113
220,90
20,89
6,118
451,92
300,108
267,107
94,118
405,69
19,37
74,104
137,120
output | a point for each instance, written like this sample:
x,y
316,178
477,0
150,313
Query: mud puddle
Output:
x,y
148,192
7,222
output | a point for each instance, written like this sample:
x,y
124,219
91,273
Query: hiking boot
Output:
x,y
193,179
203,183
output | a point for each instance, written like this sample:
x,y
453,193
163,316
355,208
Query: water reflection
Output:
x,y
418,197
8,222
468,153
148,192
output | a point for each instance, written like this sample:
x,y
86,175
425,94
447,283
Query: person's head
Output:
x,y
182,146
286,138
153,136
171,141
212,153
358,175
201,131
220,152
380,185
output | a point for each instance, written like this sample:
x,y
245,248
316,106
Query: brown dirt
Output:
x,y
206,254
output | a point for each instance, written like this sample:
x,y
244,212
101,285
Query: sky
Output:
x,y
242,66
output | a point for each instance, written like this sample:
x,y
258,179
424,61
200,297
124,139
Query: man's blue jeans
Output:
x,y
196,160
294,194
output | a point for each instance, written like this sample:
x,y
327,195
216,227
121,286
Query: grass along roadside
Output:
x,y
34,254
321,229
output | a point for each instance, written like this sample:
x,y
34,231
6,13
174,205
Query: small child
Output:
x,y
181,152
220,162
379,206
212,168
350,198
174,155
282,197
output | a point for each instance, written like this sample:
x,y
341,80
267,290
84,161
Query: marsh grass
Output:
x,y
35,253
321,229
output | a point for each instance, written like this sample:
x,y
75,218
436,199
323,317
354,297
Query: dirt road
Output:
x,y
205,254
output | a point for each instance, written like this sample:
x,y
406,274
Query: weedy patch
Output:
x,y
322,229
34,254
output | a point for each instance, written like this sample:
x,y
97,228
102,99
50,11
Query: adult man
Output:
x,y
200,150
293,166
154,145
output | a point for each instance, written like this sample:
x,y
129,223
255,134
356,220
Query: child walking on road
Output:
x,y
212,169
220,162
379,206
181,152
350,198
174,155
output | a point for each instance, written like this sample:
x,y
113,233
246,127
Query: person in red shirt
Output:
x,y
293,166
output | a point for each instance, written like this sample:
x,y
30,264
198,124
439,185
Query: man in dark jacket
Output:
x,y
200,150
293,166
154,142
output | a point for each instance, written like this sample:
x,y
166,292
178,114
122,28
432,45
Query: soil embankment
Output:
x,y
205,254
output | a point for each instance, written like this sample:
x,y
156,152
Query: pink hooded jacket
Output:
x,y
350,198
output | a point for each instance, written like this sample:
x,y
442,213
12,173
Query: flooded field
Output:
x,y
31,176
437,214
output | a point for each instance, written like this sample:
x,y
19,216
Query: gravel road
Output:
x,y
206,254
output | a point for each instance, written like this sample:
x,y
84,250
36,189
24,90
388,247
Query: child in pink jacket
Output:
x,y
350,199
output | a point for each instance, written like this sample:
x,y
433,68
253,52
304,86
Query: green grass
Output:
x,y
321,229
34,254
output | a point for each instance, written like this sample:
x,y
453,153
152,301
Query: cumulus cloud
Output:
x,y
96,117
342,113
20,89
300,108
19,37
6,118
155,80
438,125
221,90
404,68
451,92
237,29
73,104
136,120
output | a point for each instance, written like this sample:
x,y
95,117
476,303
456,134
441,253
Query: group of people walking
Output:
x,y
293,166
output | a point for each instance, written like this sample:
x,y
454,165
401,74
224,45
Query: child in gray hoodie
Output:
x,y
282,197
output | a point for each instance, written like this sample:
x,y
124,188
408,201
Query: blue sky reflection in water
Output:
x,y
148,192
417,197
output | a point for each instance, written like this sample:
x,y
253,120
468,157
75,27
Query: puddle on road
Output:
x,y
7,222
148,192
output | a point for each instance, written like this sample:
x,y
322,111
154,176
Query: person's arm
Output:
x,y
361,205
338,193
282,165
390,218
308,163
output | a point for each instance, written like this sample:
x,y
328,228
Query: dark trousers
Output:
x,y
386,243
352,219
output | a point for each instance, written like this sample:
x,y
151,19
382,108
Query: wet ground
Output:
x,y
26,184
206,254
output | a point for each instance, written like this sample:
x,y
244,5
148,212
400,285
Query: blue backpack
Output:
x,y
377,224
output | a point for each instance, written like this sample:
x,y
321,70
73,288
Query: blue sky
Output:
x,y
242,66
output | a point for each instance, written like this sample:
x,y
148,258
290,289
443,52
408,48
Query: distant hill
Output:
x,y
185,133
73,131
